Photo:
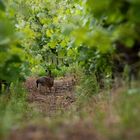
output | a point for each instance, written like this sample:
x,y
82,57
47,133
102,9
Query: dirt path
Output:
x,y
48,103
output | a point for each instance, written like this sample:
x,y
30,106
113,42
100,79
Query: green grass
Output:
x,y
13,109
113,113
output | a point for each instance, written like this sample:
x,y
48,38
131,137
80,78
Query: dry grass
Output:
x,y
112,114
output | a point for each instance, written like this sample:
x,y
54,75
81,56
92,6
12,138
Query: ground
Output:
x,y
112,114
61,95
48,104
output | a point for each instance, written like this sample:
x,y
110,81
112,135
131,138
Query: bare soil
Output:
x,y
60,97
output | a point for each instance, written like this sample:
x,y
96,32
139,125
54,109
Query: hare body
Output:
x,y
46,81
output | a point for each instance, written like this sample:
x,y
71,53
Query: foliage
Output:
x,y
42,25
11,52
61,32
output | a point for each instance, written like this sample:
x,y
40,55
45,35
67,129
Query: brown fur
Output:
x,y
46,81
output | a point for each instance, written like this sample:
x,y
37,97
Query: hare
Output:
x,y
46,81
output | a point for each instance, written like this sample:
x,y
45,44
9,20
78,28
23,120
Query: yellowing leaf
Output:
x,y
55,20
53,44
49,33
63,43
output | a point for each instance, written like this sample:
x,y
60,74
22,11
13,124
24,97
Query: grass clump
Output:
x,y
13,109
